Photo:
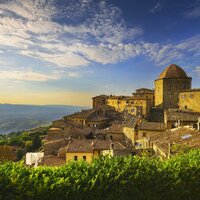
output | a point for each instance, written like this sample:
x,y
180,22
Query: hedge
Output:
x,y
105,178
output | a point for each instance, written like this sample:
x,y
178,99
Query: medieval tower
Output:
x,y
168,85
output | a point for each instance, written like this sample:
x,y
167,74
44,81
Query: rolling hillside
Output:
x,y
23,117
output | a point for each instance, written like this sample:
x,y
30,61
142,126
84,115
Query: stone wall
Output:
x,y
190,100
167,91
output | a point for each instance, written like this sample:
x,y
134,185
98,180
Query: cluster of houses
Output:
x,y
165,120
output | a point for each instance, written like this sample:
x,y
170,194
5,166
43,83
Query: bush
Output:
x,y
105,178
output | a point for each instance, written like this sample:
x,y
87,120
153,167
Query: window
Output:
x,y
132,110
192,96
184,96
84,158
144,134
75,158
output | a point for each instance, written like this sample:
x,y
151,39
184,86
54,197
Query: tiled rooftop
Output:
x,y
88,145
174,115
186,137
156,126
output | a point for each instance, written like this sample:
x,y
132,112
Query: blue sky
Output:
x,y
66,51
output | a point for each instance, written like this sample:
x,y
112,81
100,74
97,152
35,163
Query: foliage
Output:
x,y
25,141
7,153
139,178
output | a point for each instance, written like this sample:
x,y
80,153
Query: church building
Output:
x,y
169,84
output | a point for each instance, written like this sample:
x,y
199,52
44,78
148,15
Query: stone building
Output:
x,y
145,93
114,132
91,118
117,102
99,101
168,85
138,105
190,100
176,140
89,149
175,118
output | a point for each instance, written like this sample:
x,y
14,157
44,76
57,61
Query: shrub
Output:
x,y
105,178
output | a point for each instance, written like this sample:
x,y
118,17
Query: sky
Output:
x,y
67,51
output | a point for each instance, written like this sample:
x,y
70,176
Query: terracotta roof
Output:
x,y
52,161
180,136
101,96
175,115
84,114
98,118
173,71
154,126
117,97
88,145
75,131
132,122
147,89
113,129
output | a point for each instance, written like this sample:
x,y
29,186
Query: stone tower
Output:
x,y
168,85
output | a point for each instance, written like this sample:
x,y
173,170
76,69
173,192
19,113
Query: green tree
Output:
x,y
36,143
20,153
29,145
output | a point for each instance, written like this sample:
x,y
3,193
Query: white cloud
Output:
x,y
156,8
163,54
194,13
74,74
69,59
28,28
107,53
197,70
26,76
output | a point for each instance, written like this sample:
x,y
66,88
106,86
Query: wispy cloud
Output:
x,y
26,75
163,54
197,70
156,8
193,13
31,29
46,30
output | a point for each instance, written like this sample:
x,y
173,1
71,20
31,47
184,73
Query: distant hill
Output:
x,y
23,117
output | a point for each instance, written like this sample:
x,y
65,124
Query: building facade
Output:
x,y
99,101
145,93
168,86
190,100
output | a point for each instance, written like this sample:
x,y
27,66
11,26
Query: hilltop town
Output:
x,y
155,121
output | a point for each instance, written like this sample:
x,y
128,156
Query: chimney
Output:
x,y
179,123
198,124
112,146
169,150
